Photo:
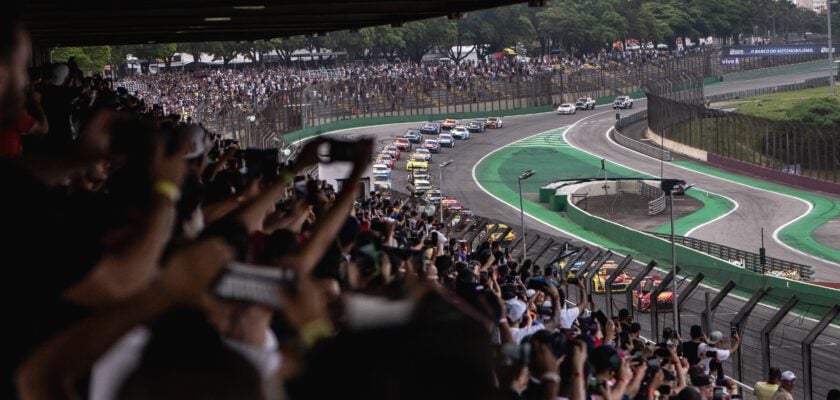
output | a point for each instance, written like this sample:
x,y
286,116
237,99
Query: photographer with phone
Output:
x,y
714,354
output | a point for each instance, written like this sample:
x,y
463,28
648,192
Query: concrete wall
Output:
x,y
677,147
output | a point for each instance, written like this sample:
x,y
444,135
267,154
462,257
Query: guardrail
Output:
x,y
807,84
635,145
657,198
745,259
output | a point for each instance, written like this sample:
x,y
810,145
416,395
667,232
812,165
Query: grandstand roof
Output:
x,y
67,23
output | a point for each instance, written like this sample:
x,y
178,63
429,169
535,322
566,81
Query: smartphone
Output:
x,y
253,283
335,150
601,318
711,354
664,390
517,279
733,332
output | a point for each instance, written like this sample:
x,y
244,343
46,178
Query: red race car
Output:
x,y
641,296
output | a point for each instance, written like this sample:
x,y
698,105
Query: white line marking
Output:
x,y
571,235
692,230
776,232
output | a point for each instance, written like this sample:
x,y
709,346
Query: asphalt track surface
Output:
x,y
756,209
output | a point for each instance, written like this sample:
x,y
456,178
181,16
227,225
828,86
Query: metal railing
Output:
x,y
786,150
636,145
747,260
657,198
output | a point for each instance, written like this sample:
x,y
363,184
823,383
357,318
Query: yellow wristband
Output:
x,y
167,189
316,330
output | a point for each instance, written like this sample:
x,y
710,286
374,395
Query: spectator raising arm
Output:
x,y
50,372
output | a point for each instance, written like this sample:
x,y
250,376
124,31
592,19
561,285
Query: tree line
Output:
x,y
567,26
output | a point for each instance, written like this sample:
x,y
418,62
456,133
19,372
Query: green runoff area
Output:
x,y
554,159
776,105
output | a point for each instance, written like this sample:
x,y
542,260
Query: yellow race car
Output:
x,y
416,163
496,236
599,280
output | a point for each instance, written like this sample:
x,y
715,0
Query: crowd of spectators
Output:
x,y
148,260
388,83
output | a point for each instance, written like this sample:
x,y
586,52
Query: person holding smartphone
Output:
x,y
713,354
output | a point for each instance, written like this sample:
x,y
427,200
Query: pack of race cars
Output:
x,y
641,294
417,149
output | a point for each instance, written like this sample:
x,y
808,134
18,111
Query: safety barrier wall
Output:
x,y
635,145
692,261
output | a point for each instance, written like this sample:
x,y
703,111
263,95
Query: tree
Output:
x,y
356,44
90,59
154,52
387,42
226,51
256,50
285,47
494,29
420,37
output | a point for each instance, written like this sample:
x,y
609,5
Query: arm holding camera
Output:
x,y
327,227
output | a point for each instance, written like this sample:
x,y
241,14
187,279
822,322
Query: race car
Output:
x,y
414,163
571,277
381,183
619,284
432,145
423,154
450,203
432,196
641,296
476,126
402,144
461,219
393,151
585,103
446,140
418,173
430,128
448,124
493,122
566,108
460,132
421,187
413,135
496,236
624,102
381,170
384,158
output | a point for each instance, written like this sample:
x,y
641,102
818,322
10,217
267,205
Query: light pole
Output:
x,y
525,175
830,51
671,187
440,182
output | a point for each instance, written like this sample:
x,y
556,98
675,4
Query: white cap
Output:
x,y
197,142
715,337
515,309
530,293
788,376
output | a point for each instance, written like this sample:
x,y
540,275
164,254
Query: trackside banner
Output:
x,y
780,50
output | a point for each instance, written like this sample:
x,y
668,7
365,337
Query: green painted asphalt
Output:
x,y
554,159
713,207
799,234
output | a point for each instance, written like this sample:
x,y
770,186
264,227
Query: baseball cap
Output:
x,y
788,376
715,337
530,293
515,309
